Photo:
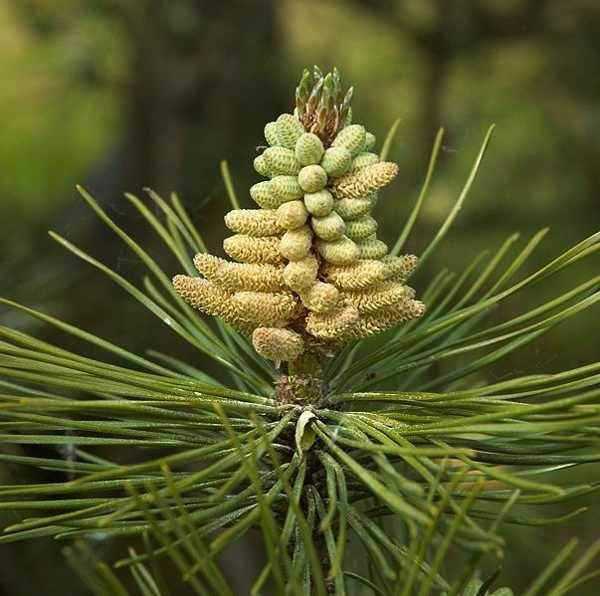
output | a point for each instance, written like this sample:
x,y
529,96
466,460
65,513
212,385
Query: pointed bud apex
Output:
x,y
315,96
323,113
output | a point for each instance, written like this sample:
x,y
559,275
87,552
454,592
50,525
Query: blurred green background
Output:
x,y
123,94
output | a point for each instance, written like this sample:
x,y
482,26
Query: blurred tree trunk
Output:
x,y
203,74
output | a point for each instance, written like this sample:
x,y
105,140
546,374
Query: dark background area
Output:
x,y
123,94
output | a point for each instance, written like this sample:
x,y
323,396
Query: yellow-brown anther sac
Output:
x,y
209,298
321,297
362,182
309,273
277,344
247,249
334,325
377,323
235,277
201,293
262,308
253,222
301,275
377,298
357,276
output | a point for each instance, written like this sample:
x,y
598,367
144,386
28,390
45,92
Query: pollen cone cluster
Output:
x,y
309,271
